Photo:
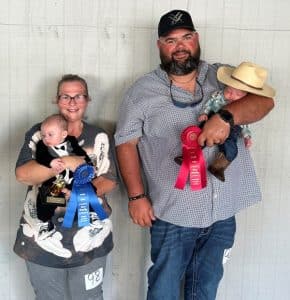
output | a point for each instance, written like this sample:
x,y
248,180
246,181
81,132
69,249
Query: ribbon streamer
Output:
x,y
82,196
193,163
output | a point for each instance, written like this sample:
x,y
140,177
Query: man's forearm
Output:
x,y
129,165
33,173
250,109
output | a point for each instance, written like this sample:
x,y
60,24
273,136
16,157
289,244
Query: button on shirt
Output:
x,y
147,113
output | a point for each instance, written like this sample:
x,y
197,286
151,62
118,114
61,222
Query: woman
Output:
x,y
66,261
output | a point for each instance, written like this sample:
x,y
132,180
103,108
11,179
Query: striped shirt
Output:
x,y
147,113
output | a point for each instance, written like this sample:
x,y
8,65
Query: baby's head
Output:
x,y
246,78
231,94
54,130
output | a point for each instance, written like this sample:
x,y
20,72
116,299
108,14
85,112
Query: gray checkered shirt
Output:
x,y
147,113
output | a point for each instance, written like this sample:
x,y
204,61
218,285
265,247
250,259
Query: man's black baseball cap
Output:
x,y
173,20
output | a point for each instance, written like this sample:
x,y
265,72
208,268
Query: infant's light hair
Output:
x,y
56,118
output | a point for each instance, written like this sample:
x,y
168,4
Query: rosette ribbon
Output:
x,y
82,196
193,163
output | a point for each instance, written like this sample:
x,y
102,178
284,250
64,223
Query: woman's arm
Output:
x,y
32,173
101,183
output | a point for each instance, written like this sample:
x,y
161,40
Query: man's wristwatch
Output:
x,y
226,116
137,197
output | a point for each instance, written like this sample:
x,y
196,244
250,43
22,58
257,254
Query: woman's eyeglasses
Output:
x,y
79,98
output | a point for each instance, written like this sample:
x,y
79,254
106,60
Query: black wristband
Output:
x,y
137,197
226,116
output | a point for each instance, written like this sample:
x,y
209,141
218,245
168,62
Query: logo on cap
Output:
x,y
176,18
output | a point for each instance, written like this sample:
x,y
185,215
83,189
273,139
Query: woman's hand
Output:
x,y
72,162
103,185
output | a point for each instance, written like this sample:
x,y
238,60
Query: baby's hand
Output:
x,y
202,118
57,165
66,193
248,142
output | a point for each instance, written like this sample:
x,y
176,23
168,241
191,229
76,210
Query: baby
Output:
x,y
246,78
218,100
54,144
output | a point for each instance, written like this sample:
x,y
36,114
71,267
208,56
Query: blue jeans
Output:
x,y
192,256
230,147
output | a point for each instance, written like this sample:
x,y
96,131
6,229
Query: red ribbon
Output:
x,y
193,161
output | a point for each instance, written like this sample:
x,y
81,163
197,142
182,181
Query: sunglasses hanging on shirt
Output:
x,y
184,104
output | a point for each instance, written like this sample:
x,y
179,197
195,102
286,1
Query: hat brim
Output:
x,y
224,75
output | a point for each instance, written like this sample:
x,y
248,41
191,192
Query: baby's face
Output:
x,y
52,134
232,94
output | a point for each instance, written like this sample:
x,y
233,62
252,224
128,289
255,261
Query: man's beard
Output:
x,y
180,67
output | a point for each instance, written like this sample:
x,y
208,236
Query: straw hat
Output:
x,y
247,77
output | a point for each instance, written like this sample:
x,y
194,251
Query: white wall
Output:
x,y
111,43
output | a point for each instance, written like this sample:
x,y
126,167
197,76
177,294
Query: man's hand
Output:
x,y
141,212
214,131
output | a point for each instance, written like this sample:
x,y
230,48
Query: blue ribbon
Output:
x,y
82,196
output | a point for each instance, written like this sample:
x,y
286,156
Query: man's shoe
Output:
x,y
178,160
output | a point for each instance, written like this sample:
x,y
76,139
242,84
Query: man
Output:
x,y
190,230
